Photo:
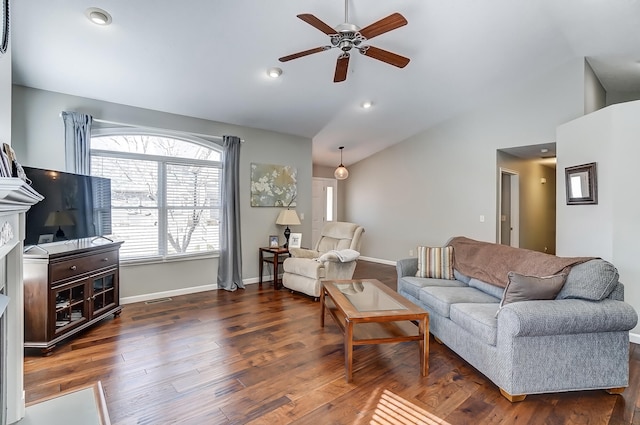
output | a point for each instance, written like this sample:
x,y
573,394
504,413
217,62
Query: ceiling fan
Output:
x,y
348,36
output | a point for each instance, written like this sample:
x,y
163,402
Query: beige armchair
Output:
x,y
332,258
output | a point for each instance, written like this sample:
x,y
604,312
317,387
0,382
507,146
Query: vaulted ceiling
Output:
x,y
208,59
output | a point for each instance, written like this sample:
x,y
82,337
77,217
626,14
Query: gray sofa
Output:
x,y
577,341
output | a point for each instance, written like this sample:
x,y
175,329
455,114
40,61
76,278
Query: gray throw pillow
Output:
x,y
527,288
593,280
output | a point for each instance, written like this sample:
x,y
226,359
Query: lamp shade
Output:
x,y
341,172
59,218
288,218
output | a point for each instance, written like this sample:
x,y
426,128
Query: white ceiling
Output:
x,y
208,59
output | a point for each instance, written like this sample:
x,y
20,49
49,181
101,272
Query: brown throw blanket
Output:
x,y
490,262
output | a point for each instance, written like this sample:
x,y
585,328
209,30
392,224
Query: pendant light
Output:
x,y
341,172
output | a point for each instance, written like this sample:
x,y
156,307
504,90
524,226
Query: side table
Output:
x,y
275,257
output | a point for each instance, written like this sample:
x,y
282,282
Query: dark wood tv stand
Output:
x,y
68,286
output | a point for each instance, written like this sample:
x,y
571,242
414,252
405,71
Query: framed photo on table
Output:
x,y
274,242
295,240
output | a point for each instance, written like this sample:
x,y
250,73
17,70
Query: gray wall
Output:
x,y
617,97
39,142
595,96
437,184
537,202
609,229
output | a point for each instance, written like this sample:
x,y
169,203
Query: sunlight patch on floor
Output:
x,y
395,410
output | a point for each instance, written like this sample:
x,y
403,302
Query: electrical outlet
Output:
x,y
411,253
301,216
481,219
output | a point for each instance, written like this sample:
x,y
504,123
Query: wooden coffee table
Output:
x,y
369,312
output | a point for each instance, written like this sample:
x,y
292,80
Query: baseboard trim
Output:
x,y
635,338
175,292
165,294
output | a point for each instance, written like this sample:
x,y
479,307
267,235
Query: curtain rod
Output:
x,y
124,124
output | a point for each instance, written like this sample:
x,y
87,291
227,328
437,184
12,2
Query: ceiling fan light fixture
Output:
x,y
341,172
274,72
98,16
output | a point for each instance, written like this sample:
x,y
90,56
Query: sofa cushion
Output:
x,y
461,277
479,319
490,289
593,280
412,285
435,262
440,298
529,288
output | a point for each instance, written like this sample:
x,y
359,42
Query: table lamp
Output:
x,y
287,218
59,218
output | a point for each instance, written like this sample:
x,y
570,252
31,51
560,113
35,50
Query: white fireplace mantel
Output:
x,y
16,197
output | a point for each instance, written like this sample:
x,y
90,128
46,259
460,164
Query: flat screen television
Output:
x,y
75,206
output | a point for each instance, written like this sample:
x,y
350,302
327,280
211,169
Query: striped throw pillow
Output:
x,y
435,262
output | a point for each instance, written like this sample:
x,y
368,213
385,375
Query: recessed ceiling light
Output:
x,y
98,16
367,104
274,72
544,150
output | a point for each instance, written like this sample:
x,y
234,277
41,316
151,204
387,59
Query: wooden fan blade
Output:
x,y
342,65
385,56
304,53
391,22
317,23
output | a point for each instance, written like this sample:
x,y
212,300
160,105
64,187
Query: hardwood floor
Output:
x,y
258,356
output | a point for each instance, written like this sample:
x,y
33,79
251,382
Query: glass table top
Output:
x,y
367,297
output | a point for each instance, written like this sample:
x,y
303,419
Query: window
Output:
x,y
329,204
165,192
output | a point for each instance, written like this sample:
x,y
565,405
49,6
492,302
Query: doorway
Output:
x,y
526,197
324,200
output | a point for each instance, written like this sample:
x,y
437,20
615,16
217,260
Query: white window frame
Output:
x,y
162,161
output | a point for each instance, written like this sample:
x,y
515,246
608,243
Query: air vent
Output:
x,y
159,300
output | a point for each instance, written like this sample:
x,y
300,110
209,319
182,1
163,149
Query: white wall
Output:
x,y
39,142
15,311
437,184
609,229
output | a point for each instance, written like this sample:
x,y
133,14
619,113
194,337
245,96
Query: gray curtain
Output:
x,y
230,262
77,139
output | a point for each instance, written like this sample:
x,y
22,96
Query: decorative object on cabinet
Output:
x,y
273,241
68,287
295,240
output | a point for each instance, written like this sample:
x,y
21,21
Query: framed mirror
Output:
x,y
582,186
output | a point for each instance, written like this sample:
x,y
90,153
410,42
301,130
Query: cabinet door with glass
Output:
x,y
104,292
70,306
